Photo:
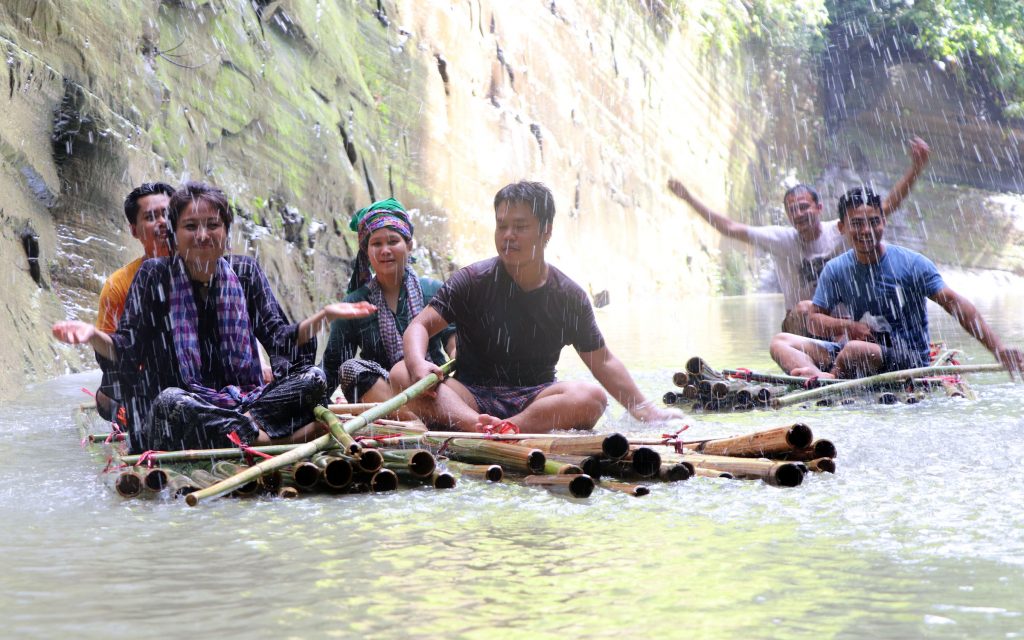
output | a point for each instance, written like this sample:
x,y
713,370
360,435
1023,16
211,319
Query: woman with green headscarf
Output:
x,y
385,242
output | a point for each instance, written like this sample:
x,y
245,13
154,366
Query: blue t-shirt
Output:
x,y
896,288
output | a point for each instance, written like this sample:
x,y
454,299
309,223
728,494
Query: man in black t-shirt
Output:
x,y
512,315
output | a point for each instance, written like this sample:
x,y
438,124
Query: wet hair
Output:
x,y
196,191
858,197
535,194
798,189
131,202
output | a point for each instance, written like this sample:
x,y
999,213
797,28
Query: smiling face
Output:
x,y
388,252
200,236
150,227
803,212
864,227
518,236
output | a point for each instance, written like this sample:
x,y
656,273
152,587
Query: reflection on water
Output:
x,y
919,533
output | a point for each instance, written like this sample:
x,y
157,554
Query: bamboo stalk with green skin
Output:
x,y
323,442
881,378
419,462
511,457
180,485
194,455
591,465
489,472
558,468
774,378
575,485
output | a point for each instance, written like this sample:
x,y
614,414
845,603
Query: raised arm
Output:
x,y
970,319
613,376
336,311
919,152
77,332
725,225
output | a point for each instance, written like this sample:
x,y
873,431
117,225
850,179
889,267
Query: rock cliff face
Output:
x,y
306,110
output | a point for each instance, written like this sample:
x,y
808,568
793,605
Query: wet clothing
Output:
x,y
145,343
184,420
798,264
895,289
508,337
112,298
363,336
505,402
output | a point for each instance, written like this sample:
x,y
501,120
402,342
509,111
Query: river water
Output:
x,y
919,534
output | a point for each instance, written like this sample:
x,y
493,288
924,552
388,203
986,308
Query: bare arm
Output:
x,y
415,342
820,323
337,311
723,224
614,377
970,319
76,332
919,152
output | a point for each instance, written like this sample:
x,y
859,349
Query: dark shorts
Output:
x,y
184,420
504,402
356,376
893,359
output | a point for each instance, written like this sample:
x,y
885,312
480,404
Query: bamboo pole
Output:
x,y
778,474
128,483
511,457
489,472
352,409
827,465
180,485
612,445
760,443
696,366
335,471
775,378
197,455
635,490
323,442
288,492
557,468
821,448
881,378
225,469
576,485
442,479
708,472
677,472
305,474
644,461
419,462
591,465
680,378
155,478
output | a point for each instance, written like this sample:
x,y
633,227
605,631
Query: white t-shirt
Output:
x,y
798,263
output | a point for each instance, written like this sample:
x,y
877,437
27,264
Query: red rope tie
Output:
x,y
246,449
503,427
443,449
811,383
89,393
673,438
147,458
742,373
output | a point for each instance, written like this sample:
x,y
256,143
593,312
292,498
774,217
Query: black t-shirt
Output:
x,y
510,337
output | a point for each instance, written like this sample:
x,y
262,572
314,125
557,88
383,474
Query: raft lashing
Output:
x,y
392,455
700,388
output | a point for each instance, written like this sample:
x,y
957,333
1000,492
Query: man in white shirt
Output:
x,y
801,250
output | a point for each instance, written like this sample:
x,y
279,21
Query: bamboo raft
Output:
x,y
701,388
382,455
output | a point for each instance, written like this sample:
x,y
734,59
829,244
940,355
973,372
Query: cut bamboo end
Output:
x,y
370,460
645,461
443,480
635,490
708,472
577,486
155,479
383,481
288,492
128,484
306,474
680,378
336,471
488,472
675,472
822,465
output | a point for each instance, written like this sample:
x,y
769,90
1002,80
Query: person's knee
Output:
x,y
590,398
780,342
398,377
803,308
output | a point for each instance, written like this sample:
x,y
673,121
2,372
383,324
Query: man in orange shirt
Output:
x,y
146,211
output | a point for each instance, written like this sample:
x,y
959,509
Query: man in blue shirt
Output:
x,y
885,288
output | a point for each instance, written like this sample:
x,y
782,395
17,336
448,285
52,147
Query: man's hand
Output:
x,y
348,310
919,152
420,368
859,331
650,413
74,331
679,189
1012,358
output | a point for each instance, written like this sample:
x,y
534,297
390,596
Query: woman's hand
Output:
x,y
348,310
650,413
74,331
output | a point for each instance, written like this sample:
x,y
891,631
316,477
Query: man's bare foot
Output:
x,y
485,422
811,372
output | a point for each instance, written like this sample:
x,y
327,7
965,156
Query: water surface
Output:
x,y
918,534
